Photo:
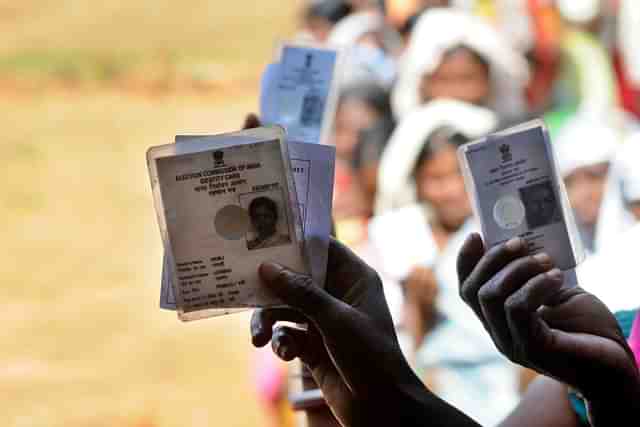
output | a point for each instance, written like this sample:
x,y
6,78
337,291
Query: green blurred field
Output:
x,y
83,340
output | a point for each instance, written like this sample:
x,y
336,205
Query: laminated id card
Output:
x,y
225,206
312,166
513,182
299,91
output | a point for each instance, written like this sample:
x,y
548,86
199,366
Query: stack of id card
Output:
x,y
513,181
227,203
299,91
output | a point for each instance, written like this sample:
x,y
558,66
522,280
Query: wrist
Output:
x,y
614,404
407,402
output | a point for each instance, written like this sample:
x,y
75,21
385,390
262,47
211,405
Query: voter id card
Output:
x,y
513,182
224,207
299,91
312,166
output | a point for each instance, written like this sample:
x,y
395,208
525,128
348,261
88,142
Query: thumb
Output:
x,y
251,121
299,292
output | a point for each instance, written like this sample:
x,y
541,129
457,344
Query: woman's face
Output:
x,y
440,184
461,75
352,116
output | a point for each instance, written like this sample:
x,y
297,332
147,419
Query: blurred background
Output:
x,y
85,88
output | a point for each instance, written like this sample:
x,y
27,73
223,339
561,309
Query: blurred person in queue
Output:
x,y
365,5
368,49
361,108
606,272
620,209
585,149
403,14
588,357
365,162
426,216
320,17
452,54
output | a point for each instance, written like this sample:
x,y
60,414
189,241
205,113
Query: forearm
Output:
x,y
615,407
408,403
544,404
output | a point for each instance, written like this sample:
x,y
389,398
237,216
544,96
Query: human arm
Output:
x,y
350,345
559,331
544,393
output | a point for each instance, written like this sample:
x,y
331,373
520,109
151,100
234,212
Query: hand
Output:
x,y
251,121
350,345
562,332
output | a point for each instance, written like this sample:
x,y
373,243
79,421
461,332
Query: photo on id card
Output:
x,y
512,180
222,212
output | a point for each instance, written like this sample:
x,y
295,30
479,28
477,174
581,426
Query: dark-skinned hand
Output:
x,y
350,345
559,331
251,121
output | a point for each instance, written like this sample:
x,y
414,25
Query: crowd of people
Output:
x,y
419,79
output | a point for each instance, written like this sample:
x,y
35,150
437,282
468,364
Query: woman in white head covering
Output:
x,y
362,36
417,246
606,274
620,207
453,54
585,147
395,186
361,27
321,16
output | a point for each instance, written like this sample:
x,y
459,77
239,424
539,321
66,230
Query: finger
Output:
x,y
263,320
346,274
307,345
470,254
344,266
289,343
494,260
251,121
531,334
299,292
493,295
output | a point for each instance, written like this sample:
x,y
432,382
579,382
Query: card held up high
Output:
x,y
299,91
224,208
513,182
312,166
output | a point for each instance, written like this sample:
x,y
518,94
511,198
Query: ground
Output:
x,y
85,89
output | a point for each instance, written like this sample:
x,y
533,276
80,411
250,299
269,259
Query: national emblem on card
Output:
x,y
505,150
218,158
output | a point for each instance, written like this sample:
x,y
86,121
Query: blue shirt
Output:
x,y
625,320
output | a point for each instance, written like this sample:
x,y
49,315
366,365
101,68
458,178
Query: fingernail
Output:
x,y
543,259
269,271
514,244
471,238
284,352
284,340
556,274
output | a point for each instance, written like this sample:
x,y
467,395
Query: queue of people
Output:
x,y
390,340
